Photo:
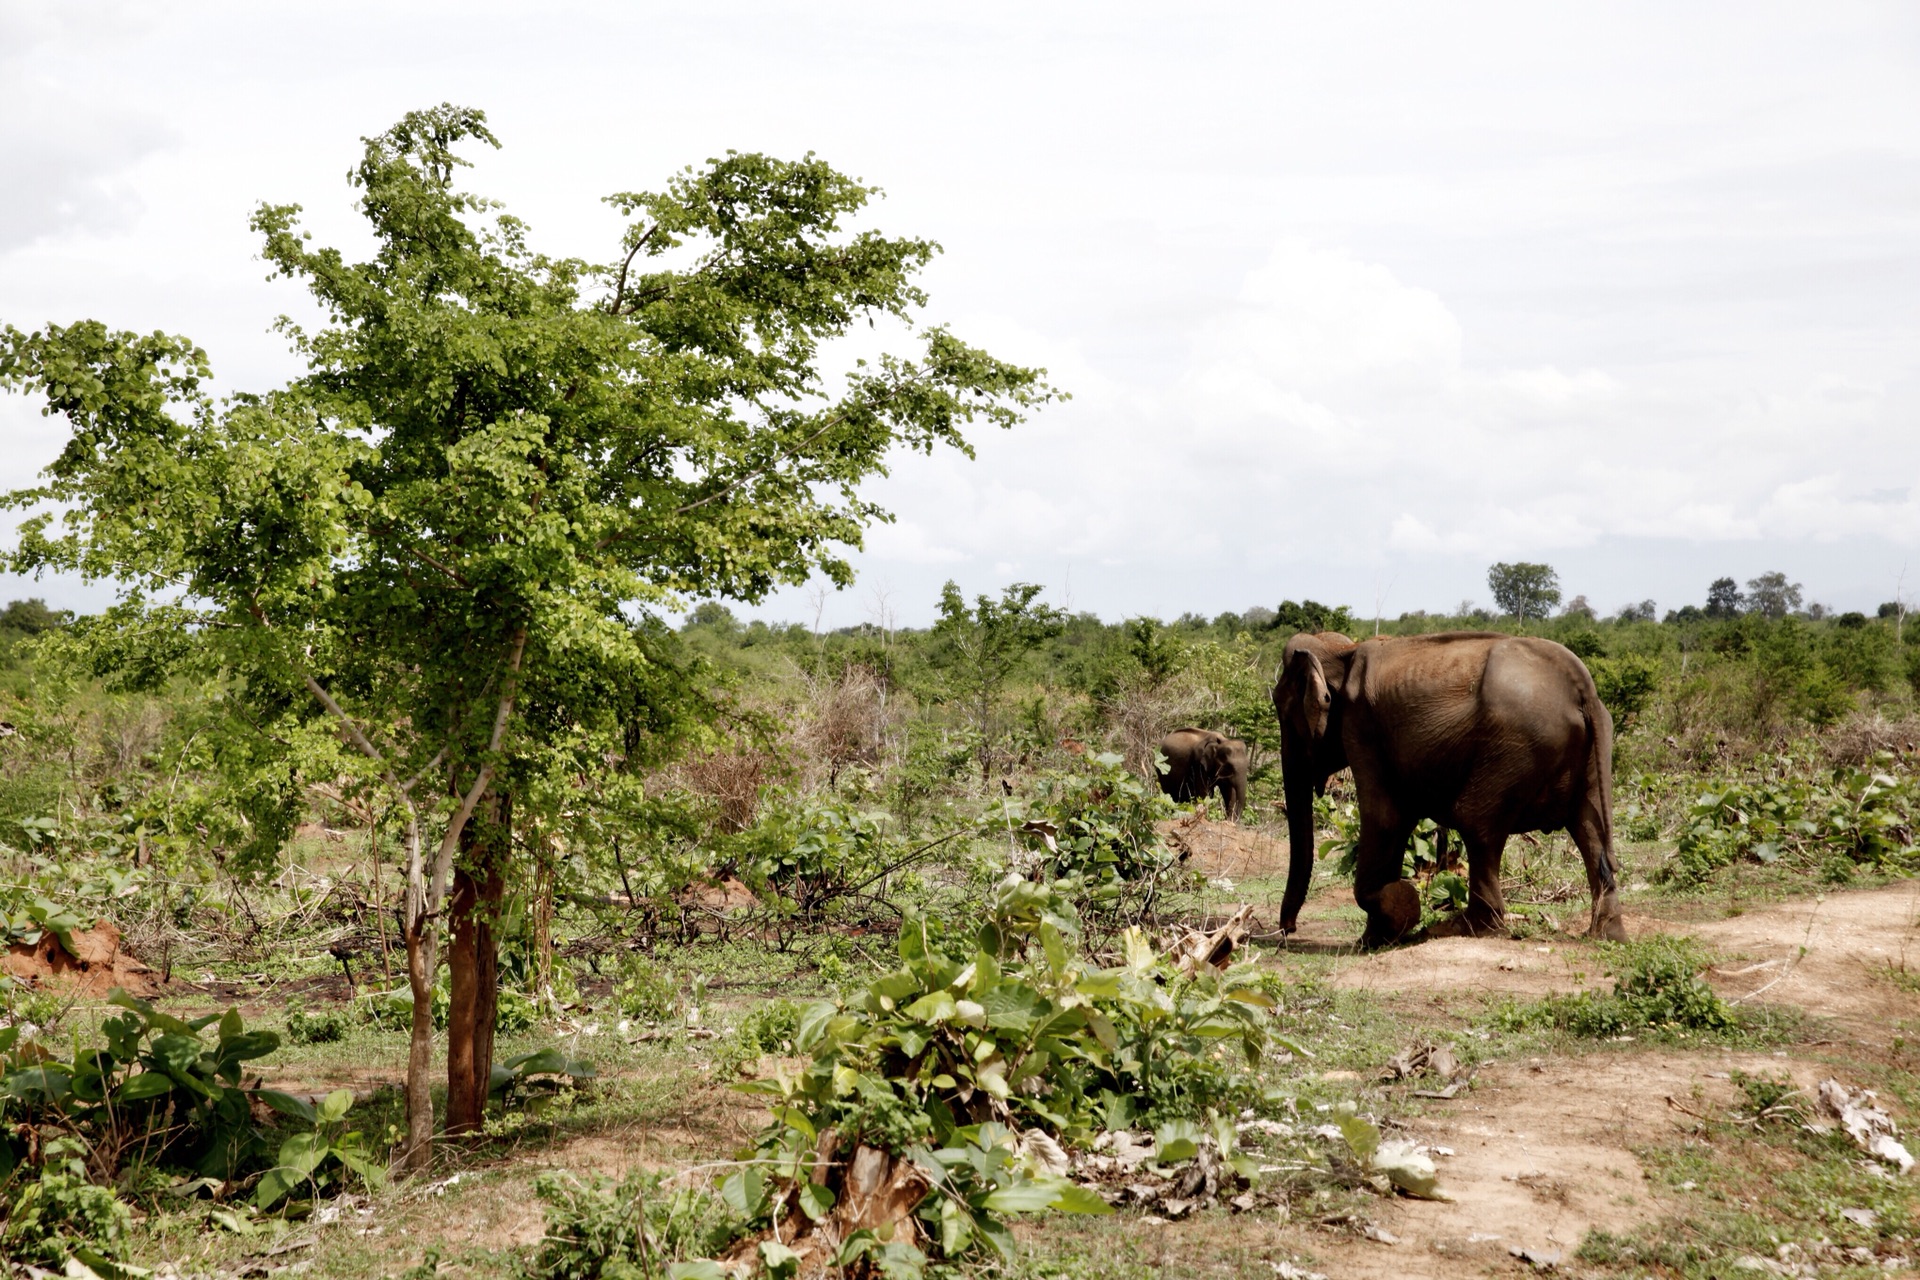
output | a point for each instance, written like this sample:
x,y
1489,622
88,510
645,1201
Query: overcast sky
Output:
x,y
1353,300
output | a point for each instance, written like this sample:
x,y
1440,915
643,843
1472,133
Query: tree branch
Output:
x,y
620,288
443,862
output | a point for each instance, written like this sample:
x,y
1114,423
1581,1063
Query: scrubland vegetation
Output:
x,y
877,952
940,848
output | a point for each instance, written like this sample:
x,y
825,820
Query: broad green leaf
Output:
x,y
286,1104
780,1261
698,1269
939,1006
334,1106
1074,1198
148,1084
1363,1139
1030,1195
302,1153
743,1191
814,1020
1176,1140
816,1201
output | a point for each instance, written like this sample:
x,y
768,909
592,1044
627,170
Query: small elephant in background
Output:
x,y
1199,762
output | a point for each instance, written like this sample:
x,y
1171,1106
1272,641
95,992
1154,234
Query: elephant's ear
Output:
x,y
1309,681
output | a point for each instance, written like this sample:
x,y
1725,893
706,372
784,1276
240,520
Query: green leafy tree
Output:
x,y
1524,589
31,617
449,544
1311,615
1724,599
1772,596
977,649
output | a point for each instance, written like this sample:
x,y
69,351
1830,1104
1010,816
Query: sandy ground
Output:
x,y
1543,1150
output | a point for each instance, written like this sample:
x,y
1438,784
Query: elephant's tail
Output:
x,y
1598,792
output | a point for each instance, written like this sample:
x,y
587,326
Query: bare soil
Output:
x,y
1543,1151
96,965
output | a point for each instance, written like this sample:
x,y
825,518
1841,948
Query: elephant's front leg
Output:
x,y
1392,903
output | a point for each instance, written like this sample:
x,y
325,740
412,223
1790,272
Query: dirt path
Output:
x,y
1542,1151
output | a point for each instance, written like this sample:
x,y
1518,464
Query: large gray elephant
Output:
x,y
1488,734
1200,762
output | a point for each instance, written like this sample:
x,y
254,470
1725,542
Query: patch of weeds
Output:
x,y
644,991
328,1027
39,1008
599,1228
62,1215
1770,1099
770,1027
1772,1191
1657,987
514,1011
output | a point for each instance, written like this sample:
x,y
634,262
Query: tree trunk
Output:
x,y
473,962
418,1154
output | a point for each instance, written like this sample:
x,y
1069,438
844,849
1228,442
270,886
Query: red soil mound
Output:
x,y
96,966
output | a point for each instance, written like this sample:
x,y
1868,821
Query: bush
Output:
x,y
1096,821
1860,816
1657,987
513,1012
61,1215
770,1027
601,1230
644,992
328,1027
974,1039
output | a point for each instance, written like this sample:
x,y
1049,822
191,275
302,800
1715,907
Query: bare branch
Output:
x,y
620,288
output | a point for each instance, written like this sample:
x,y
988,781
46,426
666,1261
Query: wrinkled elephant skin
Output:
x,y
1488,734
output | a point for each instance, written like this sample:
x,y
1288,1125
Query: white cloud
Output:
x,y
1343,301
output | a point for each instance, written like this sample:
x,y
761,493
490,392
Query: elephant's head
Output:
x,y
1306,697
1225,760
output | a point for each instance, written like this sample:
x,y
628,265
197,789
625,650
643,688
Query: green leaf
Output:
x,y
334,1106
1074,1198
938,1006
744,1191
1030,1195
286,1104
1176,1140
302,1153
147,1084
813,1024
698,1269
780,1261
1363,1139
816,1201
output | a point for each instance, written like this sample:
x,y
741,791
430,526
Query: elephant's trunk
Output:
x,y
1297,771
1233,793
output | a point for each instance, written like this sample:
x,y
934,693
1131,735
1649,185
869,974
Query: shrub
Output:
x,y
62,1215
643,991
770,1027
328,1027
1859,816
975,1038
154,1082
392,1010
599,1228
1657,986
1096,821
